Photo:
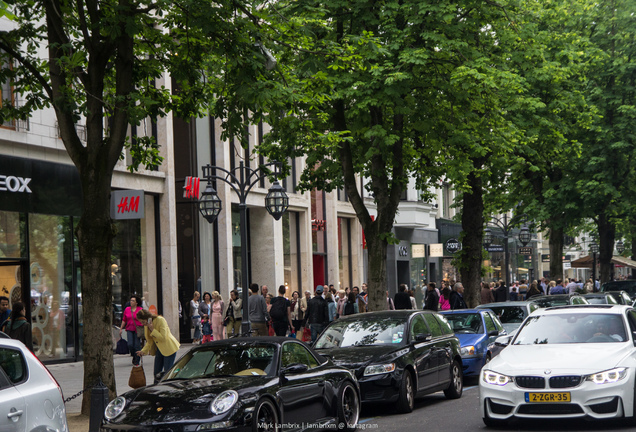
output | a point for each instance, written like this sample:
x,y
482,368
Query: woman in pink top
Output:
x,y
129,322
216,317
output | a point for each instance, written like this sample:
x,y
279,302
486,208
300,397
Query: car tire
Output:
x,y
348,407
406,398
265,416
456,386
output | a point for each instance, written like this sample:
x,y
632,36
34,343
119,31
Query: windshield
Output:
x,y
387,331
571,328
465,323
509,314
239,360
602,300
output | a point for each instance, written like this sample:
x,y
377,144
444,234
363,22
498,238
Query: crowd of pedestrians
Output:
x,y
305,315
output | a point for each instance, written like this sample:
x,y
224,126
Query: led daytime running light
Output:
x,y
609,376
495,378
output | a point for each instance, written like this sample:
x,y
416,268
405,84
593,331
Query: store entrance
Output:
x,y
12,273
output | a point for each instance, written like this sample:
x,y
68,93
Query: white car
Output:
x,y
30,398
564,362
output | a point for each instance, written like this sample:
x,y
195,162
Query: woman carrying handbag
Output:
x,y
159,341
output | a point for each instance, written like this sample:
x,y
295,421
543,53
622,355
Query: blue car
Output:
x,y
476,330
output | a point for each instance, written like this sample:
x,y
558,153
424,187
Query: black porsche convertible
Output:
x,y
242,384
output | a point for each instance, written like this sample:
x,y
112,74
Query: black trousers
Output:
x,y
280,327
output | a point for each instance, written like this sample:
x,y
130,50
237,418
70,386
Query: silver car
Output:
x,y
30,398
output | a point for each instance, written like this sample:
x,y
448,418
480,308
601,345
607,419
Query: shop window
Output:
x,y
7,94
291,252
10,229
446,201
344,252
50,253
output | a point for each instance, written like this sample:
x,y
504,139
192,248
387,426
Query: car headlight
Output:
x,y
379,369
223,402
115,407
609,376
495,378
467,351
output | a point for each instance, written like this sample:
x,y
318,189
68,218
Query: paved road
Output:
x,y
436,413
433,412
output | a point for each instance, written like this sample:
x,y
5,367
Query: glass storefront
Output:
x,y
51,280
39,257
236,246
291,252
344,253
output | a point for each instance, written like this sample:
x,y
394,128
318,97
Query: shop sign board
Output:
x,y
127,204
453,245
437,250
418,251
495,248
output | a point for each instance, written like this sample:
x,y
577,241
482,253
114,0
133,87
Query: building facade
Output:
x,y
40,205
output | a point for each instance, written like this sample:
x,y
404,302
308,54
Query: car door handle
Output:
x,y
15,413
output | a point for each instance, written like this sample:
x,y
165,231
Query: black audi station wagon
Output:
x,y
396,355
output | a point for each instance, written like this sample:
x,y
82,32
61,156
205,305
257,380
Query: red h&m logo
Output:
x,y
127,204
125,207
191,187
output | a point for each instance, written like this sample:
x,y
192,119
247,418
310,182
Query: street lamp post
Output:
x,y
506,227
242,179
620,247
594,250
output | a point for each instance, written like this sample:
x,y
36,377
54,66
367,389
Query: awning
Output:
x,y
587,262
522,269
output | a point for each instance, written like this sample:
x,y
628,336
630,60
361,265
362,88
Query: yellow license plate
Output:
x,y
548,397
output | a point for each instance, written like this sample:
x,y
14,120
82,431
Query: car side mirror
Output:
x,y
493,333
503,341
294,368
423,337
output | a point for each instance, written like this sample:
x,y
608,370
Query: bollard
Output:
x,y
99,400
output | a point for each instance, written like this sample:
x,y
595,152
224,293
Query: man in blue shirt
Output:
x,y
558,289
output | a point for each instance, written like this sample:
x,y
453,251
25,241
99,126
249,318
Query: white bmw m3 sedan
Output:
x,y
564,362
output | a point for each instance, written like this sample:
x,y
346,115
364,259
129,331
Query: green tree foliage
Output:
x,y
410,86
607,162
554,56
105,66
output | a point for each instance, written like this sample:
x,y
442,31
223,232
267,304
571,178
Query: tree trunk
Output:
x,y
472,240
376,282
606,234
556,251
95,233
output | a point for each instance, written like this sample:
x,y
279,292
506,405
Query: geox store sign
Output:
x,y
14,184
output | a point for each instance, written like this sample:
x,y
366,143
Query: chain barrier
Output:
x,y
70,398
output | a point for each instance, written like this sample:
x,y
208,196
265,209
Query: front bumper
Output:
x,y
472,365
596,401
380,388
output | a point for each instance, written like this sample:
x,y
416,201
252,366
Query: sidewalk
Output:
x,y
70,376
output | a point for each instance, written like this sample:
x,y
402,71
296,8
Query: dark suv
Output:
x,y
629,286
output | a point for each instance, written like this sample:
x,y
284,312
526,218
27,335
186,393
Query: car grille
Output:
x,y
565,381
533,382
550,408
